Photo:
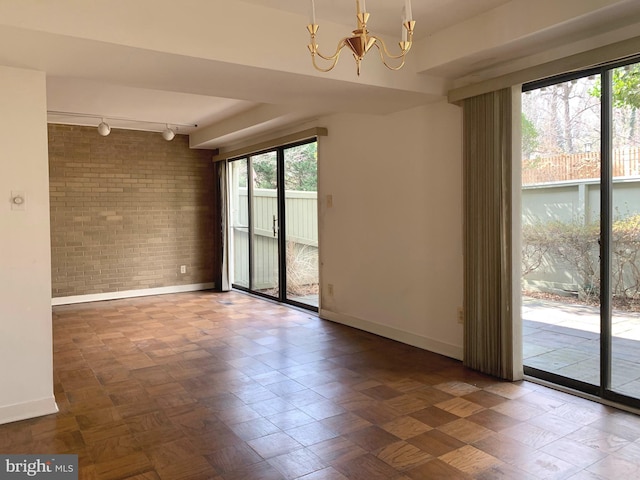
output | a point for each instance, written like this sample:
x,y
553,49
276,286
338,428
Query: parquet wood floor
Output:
x,y
229,387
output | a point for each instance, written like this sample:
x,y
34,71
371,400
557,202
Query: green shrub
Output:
x,y
576,245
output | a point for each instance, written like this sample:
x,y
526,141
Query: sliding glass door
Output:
x,y
625,230
561,229
581,231
239,251
274,224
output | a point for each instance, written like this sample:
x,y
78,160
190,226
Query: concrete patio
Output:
x,y
564,339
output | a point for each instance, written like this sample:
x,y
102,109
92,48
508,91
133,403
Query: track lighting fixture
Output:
x,y
168,134
103,128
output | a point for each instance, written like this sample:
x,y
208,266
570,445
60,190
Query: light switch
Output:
x,y
18,200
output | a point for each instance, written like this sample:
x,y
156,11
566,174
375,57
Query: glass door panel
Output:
x,y
239,222
301,207
625,257
265,226
561,230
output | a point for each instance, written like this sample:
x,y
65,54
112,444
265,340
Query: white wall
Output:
x,y
391,244
26,368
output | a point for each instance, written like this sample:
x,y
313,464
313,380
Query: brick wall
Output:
x,y
127,210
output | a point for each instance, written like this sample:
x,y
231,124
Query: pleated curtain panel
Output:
x,y
487,157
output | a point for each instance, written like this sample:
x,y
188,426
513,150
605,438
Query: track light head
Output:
x,y
104,129
168,134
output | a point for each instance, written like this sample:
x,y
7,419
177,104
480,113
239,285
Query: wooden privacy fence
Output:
x,y
579,166
302,239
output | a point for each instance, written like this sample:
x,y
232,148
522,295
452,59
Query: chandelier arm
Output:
x,y
328,69
390,67
379,42
335,56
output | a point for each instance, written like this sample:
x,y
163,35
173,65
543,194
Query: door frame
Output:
x,y
280,225
603,390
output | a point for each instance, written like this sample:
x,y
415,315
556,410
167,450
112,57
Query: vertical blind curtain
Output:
x,y
223,184
488,332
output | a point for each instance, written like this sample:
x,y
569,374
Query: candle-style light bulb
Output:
x,y
312,14
404,19
408,12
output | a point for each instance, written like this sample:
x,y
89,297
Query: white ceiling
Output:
x,y
131,107
430,15
240,68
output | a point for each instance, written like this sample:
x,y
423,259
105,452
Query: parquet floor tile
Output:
x,y
225,386
470,460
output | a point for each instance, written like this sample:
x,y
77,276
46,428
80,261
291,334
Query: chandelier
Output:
x,y
362,40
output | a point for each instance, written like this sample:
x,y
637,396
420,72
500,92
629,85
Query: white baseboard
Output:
x,y
23,411
98,297
425,343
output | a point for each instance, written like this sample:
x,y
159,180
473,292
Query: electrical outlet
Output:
x,y
460,315
329,201
183,269
330,288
